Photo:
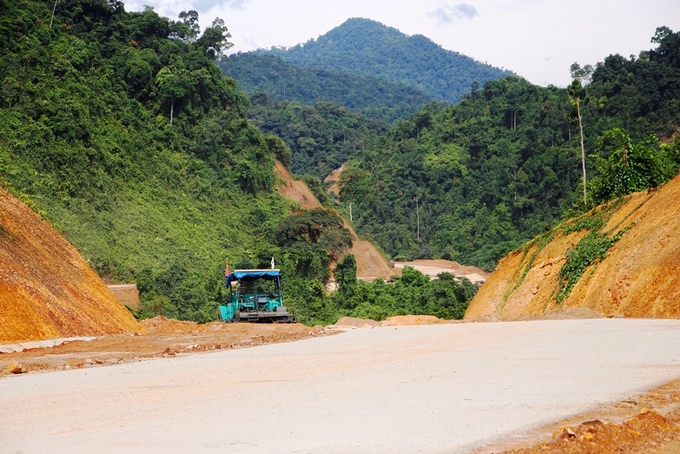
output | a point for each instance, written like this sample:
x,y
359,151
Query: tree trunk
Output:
x,y
53,11
172,110
583,152
417,222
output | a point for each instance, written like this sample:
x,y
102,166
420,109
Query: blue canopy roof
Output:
x,y
251,275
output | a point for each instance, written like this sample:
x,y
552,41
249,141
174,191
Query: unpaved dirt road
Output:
x,y
439,388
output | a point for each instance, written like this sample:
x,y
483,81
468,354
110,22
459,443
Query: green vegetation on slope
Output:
x,y
135,146
640,94
365,47
321,137
468,182
371,96
475,180
120,128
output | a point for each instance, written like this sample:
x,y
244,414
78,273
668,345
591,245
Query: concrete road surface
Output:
x,y
442,388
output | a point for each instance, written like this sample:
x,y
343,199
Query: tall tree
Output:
x,y
172,85
189,27
575,91
215,39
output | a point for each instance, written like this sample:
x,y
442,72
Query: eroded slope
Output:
x,y
47,290
639,275
370,263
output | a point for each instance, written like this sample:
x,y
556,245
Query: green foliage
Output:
x,y
629,167
316,186
588,221
476,179
321,137
85,132
308,299
413,293
280,150
639,93
591,249
317,228
368,48
346,275
268,75
473,181
215,39
672,151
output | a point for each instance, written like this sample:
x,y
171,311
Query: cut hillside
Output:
x,y
47,290
638,276
370,262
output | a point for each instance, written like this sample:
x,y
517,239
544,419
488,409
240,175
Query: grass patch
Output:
x,y
591,249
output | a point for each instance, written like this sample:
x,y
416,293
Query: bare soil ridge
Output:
x,y
370,263
640,276
47,290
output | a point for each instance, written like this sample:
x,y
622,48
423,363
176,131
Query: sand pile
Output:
x,y
409,320
353,322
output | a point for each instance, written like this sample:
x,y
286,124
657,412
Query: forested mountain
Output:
x,y
474,180
372,96
119,128
640,94
365,47
321,137
471,181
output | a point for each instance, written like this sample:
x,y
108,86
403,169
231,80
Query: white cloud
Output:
x,y
237,4
447,14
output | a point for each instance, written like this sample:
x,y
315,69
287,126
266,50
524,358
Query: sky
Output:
x,y
536,39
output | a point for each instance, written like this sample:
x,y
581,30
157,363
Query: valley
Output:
x,y
478,264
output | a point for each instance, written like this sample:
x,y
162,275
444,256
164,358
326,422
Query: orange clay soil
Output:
x,y
640,276
649,423
163,338
334,179
370,263
47,290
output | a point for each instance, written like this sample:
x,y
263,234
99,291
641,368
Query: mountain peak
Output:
x,y
366,47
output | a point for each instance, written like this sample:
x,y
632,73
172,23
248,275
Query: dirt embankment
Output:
x,y
397,320
47,290
334,179
370,263
295,189
639,277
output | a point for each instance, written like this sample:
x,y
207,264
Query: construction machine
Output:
x,y
255,296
